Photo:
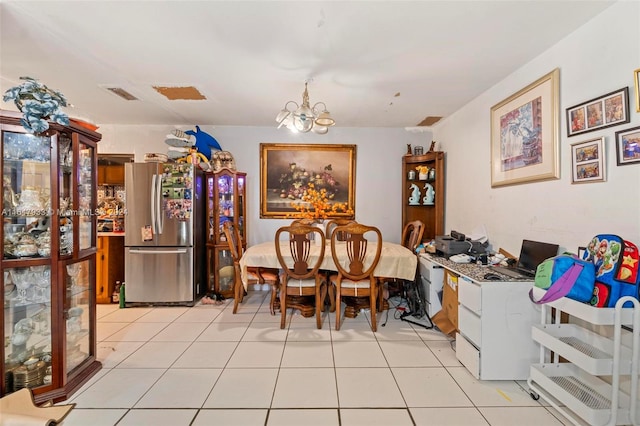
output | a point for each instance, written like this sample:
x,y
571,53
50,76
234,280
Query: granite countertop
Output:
x,y
473,271
110,234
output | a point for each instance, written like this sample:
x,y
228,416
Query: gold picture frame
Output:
x,y
287,169
636,80
525,134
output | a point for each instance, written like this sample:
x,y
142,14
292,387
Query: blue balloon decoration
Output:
x,y
204,142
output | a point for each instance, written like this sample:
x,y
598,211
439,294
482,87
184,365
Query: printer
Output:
x,y
449,245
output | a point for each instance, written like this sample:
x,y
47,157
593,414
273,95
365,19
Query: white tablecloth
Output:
x,y
396,261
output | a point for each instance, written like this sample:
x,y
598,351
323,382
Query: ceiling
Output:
x,y
373,63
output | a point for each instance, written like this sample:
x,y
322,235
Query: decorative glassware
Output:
x,y
42,275
22,278
74,270
42,321
8,285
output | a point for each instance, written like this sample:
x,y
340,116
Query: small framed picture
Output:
x,y
588,163
607,110
628,146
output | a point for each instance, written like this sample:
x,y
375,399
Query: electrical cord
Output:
x,y
470,245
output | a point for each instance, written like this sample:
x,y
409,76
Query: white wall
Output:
x,y
378,165
596,59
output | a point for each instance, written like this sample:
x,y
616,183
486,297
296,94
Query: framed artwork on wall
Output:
x,y
588,161
605,111
288,170
636,80
525,134
628,146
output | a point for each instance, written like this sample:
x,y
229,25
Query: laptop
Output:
x,y
532,253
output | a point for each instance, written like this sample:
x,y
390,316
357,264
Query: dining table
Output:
x,y
396,261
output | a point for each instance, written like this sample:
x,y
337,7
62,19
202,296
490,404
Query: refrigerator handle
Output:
x,y
153,203
178,251
160,216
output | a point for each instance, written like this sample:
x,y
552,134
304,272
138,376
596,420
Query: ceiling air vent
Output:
x,y
122,93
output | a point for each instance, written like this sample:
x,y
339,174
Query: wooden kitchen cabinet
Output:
x,y
111,174
109,266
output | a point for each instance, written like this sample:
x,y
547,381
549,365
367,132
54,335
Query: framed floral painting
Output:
x,y
288,172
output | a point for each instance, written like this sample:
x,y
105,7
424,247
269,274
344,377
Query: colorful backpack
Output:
x,y
616,263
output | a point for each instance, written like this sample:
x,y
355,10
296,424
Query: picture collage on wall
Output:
x,y
612,109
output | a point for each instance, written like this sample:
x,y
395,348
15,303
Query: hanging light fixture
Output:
x,y
303,118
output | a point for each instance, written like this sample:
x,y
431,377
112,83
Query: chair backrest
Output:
x,y
332,224
412,235
234,239
304,221
300,247
360,264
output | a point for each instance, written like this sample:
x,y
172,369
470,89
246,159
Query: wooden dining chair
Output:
x,y
411,239
300,277
304,221
329,227
412,235
259,275
357,278
332,224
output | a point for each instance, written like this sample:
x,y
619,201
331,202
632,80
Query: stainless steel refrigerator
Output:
x,y
164,234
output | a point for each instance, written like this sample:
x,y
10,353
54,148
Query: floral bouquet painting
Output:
x,y
314,183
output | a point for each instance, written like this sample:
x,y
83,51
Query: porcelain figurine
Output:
x,y
429,195
423,172
414,200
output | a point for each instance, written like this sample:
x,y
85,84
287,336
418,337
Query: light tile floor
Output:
x,y
203,365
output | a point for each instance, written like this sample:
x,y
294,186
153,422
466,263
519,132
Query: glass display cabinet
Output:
x,y
48,259
423,192
225,202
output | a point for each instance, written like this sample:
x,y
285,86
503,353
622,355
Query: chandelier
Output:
x,y
304,118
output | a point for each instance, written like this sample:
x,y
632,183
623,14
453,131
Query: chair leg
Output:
x,y
236,296
337,308
283,306
274,292
332,297
372,302
320,295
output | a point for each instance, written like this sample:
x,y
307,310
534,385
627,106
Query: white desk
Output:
x,y
396,261
494,320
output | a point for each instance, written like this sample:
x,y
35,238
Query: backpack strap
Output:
x,y
561,287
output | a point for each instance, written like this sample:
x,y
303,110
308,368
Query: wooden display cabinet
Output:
x,y
430,212
225,202
48,259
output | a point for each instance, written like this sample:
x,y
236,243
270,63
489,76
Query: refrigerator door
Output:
x,y
175,205
159,275
141,188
